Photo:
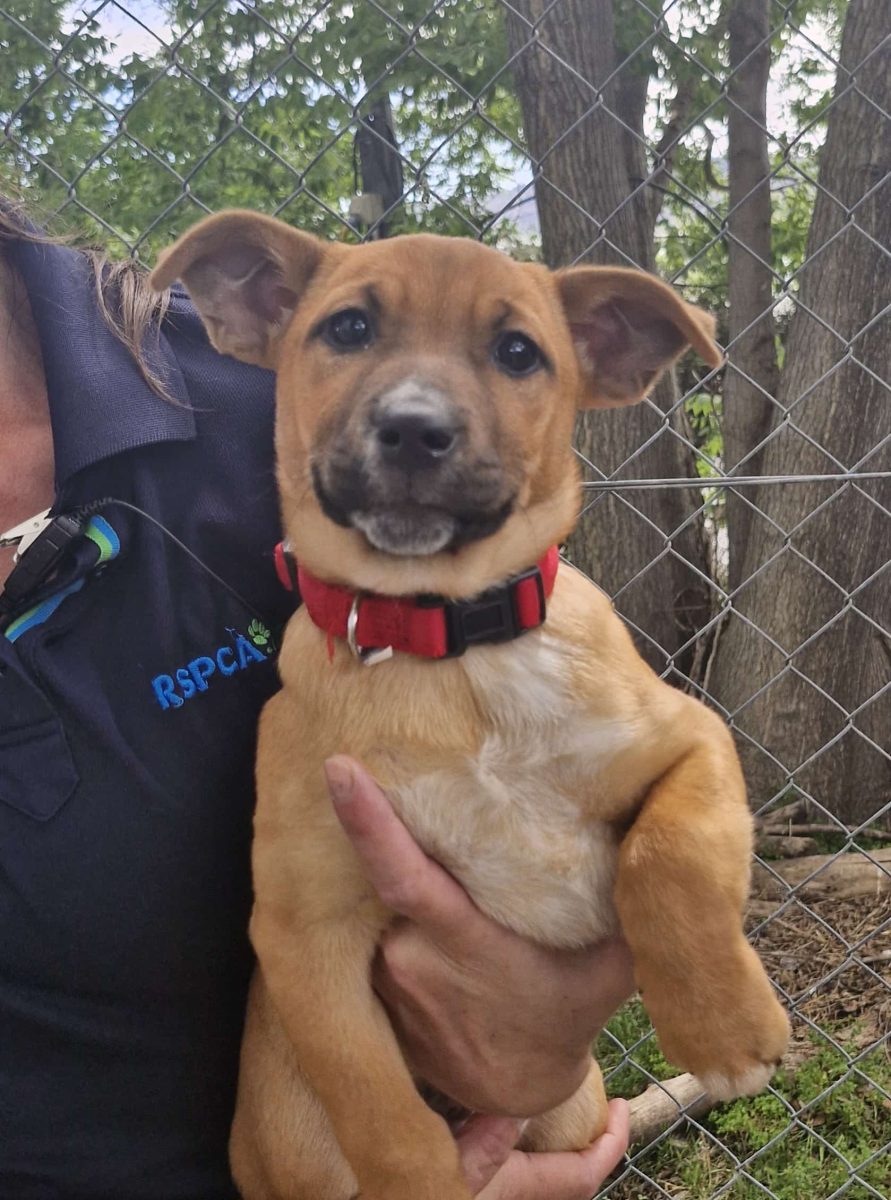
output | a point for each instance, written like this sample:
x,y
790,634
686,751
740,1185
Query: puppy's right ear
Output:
x,y
245,274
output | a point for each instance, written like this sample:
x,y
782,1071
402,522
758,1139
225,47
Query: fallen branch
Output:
x,y
654,1110
881,834
841,876
776,845
782,816
790,821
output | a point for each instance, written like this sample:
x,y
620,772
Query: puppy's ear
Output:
x,y
245,274
627,327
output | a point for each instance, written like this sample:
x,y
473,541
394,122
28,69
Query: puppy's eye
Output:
x,y
517,354
349,329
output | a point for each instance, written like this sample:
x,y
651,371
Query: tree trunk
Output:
x,y
806,650
645,549
751,377
380,167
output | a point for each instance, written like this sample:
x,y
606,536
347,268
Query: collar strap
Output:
x,y
428,626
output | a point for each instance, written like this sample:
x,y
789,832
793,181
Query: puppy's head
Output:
x,y
426,389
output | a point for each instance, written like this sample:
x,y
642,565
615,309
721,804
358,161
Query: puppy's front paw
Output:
x,y
760,1040
731,1038
733,1059
749,1082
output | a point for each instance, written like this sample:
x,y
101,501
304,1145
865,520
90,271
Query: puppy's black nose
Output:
x,y
415,441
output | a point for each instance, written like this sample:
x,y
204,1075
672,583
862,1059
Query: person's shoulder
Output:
x,y
181,316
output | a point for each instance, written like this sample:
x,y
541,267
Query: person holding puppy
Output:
x,y
131,679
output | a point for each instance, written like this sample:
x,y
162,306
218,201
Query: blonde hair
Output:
x,y
130,309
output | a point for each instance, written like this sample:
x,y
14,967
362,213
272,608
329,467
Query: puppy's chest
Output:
x,y
513,821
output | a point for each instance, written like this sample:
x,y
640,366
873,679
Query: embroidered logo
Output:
x,y
239,653
260,635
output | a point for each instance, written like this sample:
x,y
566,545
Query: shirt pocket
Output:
x,y
37,773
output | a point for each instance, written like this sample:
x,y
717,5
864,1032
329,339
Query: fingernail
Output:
x,y
340,779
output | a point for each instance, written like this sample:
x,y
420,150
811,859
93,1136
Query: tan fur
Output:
x,y
569,788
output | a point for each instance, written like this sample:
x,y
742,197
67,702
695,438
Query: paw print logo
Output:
x,y
261,636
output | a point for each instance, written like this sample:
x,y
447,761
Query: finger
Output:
x,y
606,1153
580,1175
484,1144
406,880
570,1176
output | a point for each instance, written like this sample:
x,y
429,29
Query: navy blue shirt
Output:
x,y
128,707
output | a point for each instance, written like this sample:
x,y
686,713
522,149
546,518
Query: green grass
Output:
x,y
841,1111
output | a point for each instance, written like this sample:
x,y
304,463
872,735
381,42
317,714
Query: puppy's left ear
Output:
x,y
627,327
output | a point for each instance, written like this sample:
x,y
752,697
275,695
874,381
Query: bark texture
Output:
x,y
380,166
583,124
805,653
751,377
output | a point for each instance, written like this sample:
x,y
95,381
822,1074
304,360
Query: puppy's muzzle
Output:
x,y
409,473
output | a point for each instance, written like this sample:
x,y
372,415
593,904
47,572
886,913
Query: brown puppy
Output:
x,y
426,395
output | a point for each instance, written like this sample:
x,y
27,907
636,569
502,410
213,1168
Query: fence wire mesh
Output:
x,y
739,147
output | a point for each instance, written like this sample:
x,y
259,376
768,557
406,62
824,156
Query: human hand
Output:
x,y
495,1022
495,1171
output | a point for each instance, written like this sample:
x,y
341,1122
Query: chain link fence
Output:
x,y
739,147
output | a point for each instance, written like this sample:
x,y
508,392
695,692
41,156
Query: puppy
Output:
x,y
427,389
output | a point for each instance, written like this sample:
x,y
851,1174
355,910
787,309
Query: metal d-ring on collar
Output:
x,y
367,655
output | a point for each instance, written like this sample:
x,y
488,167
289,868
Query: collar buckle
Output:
x,y
493,616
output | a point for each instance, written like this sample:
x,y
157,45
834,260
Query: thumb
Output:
x,y
405,879
484,1144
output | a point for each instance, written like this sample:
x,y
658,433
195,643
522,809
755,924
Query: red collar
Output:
x,y
428,626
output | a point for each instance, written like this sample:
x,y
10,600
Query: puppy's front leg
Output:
x,y
682,883
315,953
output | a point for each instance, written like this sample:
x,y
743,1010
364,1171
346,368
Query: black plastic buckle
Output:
x,y
490,617
38,563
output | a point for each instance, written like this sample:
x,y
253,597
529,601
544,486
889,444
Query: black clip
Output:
x,y
36,564
490,617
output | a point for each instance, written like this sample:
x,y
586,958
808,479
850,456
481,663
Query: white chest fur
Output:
x,y
510,823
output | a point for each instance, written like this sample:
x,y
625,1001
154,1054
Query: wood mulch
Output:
x,y
832,959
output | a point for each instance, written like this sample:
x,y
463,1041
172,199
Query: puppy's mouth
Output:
x,y
413,531
409,529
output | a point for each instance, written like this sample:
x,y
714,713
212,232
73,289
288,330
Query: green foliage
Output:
x,y
804,1138
704,414
254,106
257,105
46,96
628,1053
842,1120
